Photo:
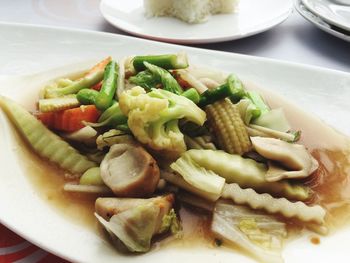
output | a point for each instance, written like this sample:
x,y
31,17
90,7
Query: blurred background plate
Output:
x,y
254,16
320,23
330,11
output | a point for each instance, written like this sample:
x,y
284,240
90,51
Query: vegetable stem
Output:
x,y
168,81
167,61
192,94
113,117
83,83
258,101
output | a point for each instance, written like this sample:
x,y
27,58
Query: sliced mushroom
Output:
x,y
130,171
294,157
133,221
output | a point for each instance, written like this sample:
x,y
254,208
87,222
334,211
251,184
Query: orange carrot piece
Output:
x,y
46,118
101,65
97,86
70,120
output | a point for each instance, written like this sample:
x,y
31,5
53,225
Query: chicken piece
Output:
x,y
129,171
294,157
132,221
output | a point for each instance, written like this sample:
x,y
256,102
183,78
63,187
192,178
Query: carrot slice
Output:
x,y
69,120
101,65
97,86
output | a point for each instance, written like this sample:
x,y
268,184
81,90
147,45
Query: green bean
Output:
x,y
113,116
167,61
87,96
109,86
145,79
233,88
258,101
192,94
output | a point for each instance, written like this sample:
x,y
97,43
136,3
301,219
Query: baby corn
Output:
x,y
230,132
58,104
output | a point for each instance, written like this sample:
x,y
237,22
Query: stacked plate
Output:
x,y
332,16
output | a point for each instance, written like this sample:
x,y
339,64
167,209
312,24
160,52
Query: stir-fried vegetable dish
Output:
x,y
147,134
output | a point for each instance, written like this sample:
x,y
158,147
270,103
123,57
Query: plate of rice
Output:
x,y
195,21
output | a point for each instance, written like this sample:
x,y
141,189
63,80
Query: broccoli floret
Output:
x,y
153,118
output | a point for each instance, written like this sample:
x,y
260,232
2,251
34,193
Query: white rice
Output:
x,y
191,11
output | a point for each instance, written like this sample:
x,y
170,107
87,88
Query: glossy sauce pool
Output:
x,y
330,183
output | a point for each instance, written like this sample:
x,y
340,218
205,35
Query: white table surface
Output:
x,y
294,40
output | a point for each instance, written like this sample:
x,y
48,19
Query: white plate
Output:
x,y
331,12
320,23
30,49
254,16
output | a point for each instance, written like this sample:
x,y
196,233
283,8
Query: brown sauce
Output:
x,y
315,240
48,181
330,182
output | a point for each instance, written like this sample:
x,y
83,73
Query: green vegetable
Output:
x,y
113,116
91,177
273,205
247,110
133,227
233,88
146,80
246,173
167,80
258,101
87,96
64,82
192,94
167,61
258,234
43,141
109,86
200,178
274,119
83,83
153,117
134,221
236,85
171,222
